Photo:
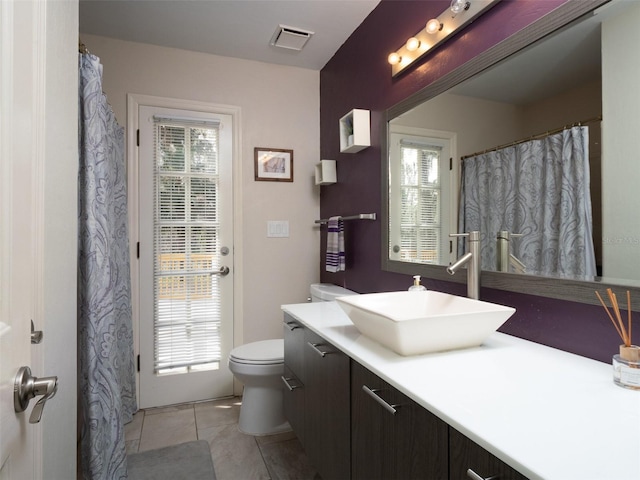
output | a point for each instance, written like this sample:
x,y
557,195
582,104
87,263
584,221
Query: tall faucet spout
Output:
x,y
462,261
472,260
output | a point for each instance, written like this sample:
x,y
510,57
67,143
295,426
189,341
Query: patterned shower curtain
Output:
x,y
540,189
106,396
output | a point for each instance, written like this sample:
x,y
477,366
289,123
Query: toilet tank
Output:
x,y
326,292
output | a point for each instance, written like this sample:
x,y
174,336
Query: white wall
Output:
x,y
482,124
479,124
279,109
580,103
621,140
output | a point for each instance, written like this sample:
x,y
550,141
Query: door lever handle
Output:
x,y
223,272
26,387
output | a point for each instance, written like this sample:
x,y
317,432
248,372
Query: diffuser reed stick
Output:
x,y
627,351
629,313
616,325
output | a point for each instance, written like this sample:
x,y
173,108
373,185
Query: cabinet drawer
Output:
x,y
293,398
465,455
294,346
392,436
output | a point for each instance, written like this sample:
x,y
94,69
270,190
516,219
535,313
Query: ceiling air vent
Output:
x,y
290,38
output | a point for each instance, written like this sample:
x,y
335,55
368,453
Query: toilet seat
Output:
x,y
265,352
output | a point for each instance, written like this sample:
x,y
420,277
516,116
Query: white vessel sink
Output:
x,y
412,323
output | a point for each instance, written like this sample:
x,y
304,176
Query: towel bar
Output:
x,y
360,216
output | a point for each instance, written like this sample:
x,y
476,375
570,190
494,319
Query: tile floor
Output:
x,y
236,456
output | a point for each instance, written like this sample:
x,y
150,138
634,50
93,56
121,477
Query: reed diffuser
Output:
x,y
626,364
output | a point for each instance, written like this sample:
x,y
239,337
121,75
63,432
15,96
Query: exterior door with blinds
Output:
x,y
419,198
186,255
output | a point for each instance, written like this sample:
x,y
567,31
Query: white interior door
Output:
x,y
186,255
38,178
18,439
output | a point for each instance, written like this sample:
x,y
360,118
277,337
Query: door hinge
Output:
x,y
138,250
138,361
138,137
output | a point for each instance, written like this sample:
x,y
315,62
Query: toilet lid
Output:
x,y
266,352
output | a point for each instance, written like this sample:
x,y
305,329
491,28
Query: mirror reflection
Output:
x,y
516,152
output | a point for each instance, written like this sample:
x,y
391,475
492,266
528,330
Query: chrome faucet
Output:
x,y
504,257
472,260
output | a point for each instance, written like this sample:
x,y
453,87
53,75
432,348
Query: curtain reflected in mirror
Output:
x,y
531,201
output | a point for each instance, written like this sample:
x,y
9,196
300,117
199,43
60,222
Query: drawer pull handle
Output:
x,y
373,394
292,325
474,476
317,350
288,385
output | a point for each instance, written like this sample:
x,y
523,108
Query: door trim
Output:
x,y
134,101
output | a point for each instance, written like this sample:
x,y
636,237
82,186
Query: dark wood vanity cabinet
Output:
x,y
466,455
327,419
353,424
317,399
293,378
392,437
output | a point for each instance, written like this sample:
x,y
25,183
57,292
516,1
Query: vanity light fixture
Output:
x,y
458,6
412,44
394,58
436,31
433,26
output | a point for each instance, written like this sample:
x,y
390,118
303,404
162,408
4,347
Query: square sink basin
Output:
x,y
413,323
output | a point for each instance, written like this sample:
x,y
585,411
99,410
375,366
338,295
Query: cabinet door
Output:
x,y
294,346
369,459
293,399
392,436
327,401
465,455
422,439
293,384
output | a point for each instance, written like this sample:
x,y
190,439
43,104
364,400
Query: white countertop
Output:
x,y
547,413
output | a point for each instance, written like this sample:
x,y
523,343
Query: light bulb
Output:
x,y
412,44
433,26
458,6
394,58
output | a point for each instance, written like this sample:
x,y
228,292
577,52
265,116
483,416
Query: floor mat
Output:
x,y
191,460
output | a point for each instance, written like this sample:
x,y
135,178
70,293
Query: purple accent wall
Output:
x,y
358,76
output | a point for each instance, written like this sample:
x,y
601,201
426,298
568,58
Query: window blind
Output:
x,y
186,291
420,218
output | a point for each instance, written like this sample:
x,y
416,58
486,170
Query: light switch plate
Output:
x,y
278,228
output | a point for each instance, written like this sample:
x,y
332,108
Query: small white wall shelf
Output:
x,y
355,131
326,172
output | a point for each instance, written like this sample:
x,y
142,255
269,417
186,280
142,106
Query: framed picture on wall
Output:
x,y
273,164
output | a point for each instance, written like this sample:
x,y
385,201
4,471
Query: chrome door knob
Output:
x,y
26,387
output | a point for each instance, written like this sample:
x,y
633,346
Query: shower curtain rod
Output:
x,y
534,137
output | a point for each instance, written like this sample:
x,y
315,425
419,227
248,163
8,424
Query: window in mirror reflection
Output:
x,y
419,193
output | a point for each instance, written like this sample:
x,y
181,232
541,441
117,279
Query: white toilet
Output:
x,y
259,366
327,292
